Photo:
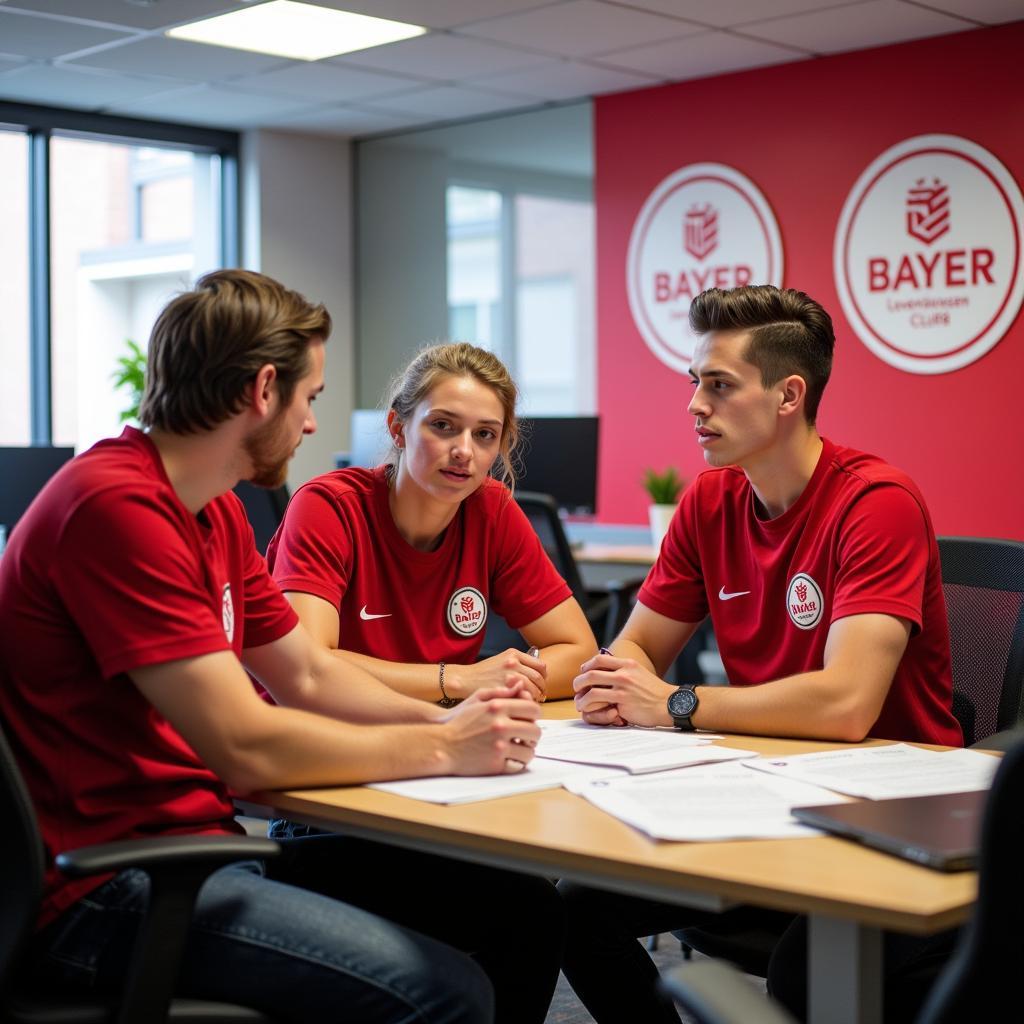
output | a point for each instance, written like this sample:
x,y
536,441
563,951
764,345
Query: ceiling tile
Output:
x,y
70,88
840,29
580,28
176,58
345,121
132,15
990,12
562,80
46,38
725,13
434,13
696,56
322,81
441,57
211,106
447,102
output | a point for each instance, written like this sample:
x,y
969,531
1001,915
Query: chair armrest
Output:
x,y
166,852
177,867
714,992
1001,740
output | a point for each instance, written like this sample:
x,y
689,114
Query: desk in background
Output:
x,y
850,893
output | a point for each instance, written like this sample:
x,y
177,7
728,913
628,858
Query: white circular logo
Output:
x,y
927,255
227,613
467,611
804,601
704,226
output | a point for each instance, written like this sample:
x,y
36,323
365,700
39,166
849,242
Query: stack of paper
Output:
x,y
715,802
879,773
457,789
633,749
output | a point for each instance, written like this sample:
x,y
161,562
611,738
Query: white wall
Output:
x,y
297,227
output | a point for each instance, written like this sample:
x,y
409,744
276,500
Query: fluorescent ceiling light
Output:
x,y
289,29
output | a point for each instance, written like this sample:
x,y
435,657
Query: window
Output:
x,y
521,282
132,219
15,387
130,226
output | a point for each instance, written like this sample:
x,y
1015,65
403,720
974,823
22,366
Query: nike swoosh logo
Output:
x,y
366,616
728,597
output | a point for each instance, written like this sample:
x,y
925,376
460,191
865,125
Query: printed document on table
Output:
x,y
635,749
458,789
709,804
879,773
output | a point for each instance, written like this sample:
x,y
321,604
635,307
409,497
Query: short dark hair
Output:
x,y
209,343
789,333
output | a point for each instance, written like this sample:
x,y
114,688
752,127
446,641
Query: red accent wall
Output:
x,y
804,133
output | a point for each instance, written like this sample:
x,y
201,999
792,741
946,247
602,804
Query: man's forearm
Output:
x,y
810,705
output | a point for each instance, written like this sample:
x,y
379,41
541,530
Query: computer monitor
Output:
x,y
23,473
264,509
368,439
559,457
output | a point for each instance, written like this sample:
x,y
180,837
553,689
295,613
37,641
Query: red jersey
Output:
x,y
108,572
858,540
339,542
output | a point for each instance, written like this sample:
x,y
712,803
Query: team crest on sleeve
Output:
x,y
227,613
804,602
467,611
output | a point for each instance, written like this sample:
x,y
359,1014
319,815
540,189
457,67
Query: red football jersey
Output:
x,y
339,542
108,572
858,540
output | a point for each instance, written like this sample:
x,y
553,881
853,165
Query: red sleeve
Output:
x,y
675,585
313,548
883,557
268,615
524,583
132,584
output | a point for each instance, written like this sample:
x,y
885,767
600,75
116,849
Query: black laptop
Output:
x,y
940,832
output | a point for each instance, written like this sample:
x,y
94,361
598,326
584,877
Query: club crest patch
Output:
x,y
227,613
804,602
467,611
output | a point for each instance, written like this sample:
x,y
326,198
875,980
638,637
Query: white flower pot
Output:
x,y
660,517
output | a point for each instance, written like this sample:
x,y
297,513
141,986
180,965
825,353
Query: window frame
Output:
x,y
39,124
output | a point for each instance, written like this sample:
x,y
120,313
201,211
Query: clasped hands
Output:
x,y
620,691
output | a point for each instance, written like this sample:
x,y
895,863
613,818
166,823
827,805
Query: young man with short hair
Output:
x,y
819,568
132,602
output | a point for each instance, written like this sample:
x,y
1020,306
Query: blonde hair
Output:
x,y
459,359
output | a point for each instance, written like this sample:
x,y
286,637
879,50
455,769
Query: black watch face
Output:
x,y
682,702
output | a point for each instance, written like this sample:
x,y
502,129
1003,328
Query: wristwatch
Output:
x,y
682,703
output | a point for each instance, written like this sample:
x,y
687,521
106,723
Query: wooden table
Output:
x,y
849,892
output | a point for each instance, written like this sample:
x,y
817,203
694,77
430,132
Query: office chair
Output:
x,y
981,979
983,581
542,512
177,867
264,510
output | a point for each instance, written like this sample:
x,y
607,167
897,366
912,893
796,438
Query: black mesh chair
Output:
x,y
177,867
264,509
983,581
542,511
980,981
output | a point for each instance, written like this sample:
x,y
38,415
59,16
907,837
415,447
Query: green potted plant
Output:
x,y
664,489
130,377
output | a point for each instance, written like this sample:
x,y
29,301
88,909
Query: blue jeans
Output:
x,y
261,936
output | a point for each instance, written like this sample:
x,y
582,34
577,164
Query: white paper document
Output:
x,y
879,773
457,789
635,749
713,803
